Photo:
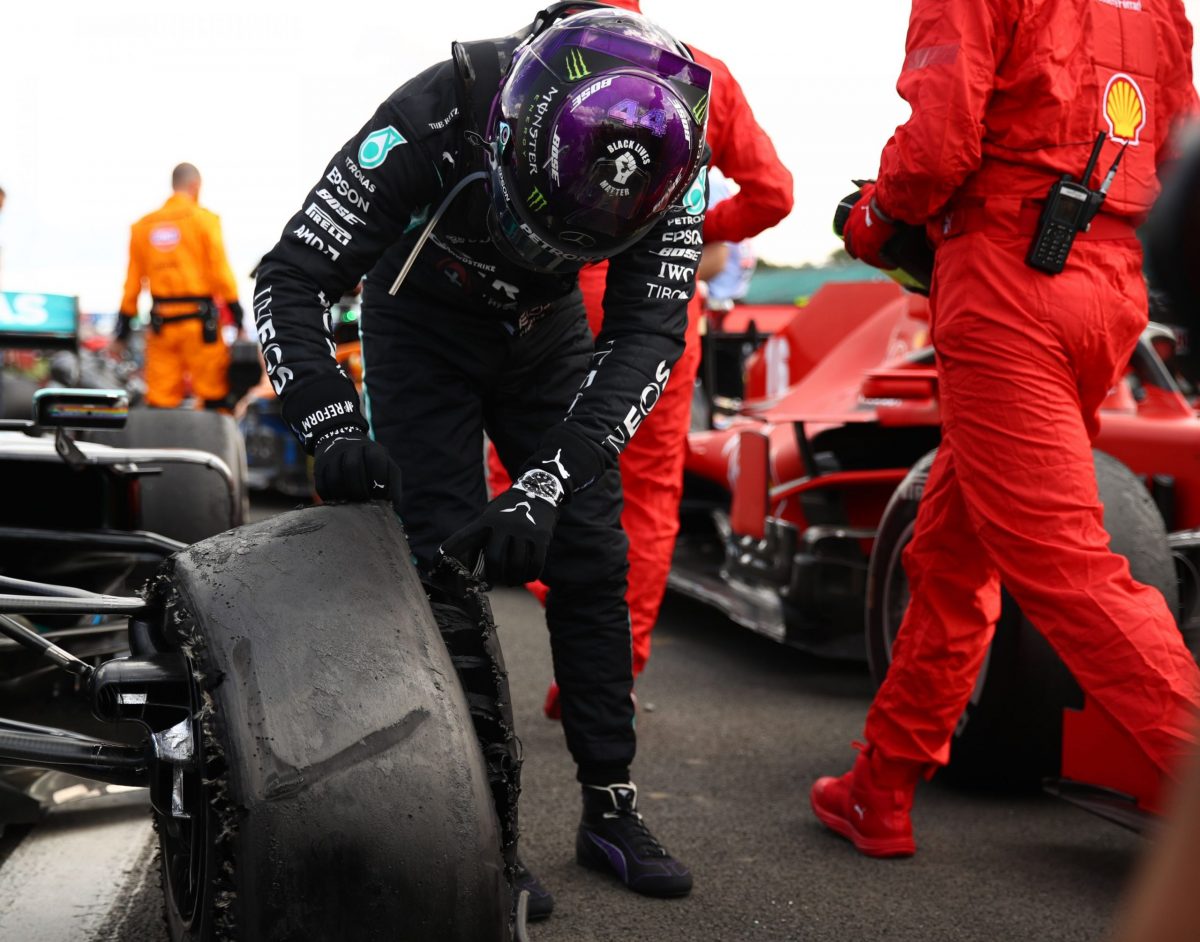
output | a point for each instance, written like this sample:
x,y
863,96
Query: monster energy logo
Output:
x,y
576,67
536,201
700,109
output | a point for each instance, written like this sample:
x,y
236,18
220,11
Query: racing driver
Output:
x,y
1007,97
520,160
652,465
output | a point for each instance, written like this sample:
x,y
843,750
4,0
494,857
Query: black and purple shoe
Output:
x,y
612,837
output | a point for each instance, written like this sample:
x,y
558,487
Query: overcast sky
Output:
x,y
98,101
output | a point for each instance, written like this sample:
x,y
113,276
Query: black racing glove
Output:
x,y
351,466
515,529
513,532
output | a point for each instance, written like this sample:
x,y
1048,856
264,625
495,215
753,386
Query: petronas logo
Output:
x,y
700,109
377,145
576,68
535,200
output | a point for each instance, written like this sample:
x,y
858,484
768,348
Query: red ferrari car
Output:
x,y
801,494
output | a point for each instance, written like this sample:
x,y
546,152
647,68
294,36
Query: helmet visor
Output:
x,y
598,128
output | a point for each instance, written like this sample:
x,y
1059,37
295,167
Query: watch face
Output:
x,y
541,484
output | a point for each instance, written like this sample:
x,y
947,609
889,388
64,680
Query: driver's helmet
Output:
x,y
598,127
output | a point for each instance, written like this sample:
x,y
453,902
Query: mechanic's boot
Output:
x,y
870,805
613,838
541,900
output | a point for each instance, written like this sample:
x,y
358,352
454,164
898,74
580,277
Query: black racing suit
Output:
x,y
474,343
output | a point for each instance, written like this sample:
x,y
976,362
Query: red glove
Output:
x,y
868,230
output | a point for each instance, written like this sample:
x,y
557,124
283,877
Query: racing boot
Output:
x,y
870,805
613,838
541,900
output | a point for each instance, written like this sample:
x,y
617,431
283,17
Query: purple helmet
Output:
x,y
597,129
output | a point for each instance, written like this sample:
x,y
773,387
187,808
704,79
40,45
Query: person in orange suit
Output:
x,y
178,253
652,463
1006,98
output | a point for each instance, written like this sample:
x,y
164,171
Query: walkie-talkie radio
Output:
x,y
1070,208
1064,214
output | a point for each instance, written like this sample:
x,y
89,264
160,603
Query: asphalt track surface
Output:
x,y
733,730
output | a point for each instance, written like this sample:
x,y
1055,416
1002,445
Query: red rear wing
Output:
x,y
813,331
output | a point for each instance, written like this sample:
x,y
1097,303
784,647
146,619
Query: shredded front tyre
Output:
x,y
336,788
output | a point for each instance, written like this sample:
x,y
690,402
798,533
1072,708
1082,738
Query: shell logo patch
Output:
x,y
1124,109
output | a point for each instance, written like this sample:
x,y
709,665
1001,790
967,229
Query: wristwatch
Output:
x,y
543,484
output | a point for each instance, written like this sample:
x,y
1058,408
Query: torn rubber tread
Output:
x,y
360,805
176,630
464,616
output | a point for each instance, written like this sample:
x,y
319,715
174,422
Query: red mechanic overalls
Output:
x,y
1006,96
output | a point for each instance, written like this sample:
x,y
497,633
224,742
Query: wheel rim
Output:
x,y
184,841
896,592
